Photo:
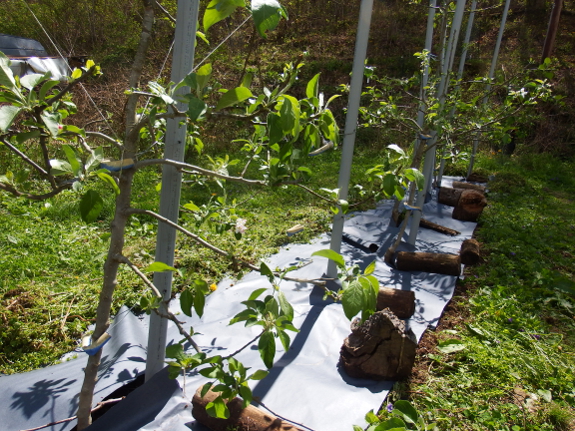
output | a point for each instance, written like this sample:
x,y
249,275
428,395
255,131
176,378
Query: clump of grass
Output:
x,y
516,367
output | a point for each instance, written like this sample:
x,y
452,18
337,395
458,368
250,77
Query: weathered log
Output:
x,y
249,419
469,186
438,263
380,348
469,252
470,205
448,196
400,302
438,228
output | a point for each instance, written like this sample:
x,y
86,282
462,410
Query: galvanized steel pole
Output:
x,y
429,161
491,74
182,65
361,43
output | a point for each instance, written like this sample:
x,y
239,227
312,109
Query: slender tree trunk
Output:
x,y
552,30
118,227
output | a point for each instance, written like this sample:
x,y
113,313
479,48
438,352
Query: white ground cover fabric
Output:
x,y
305,385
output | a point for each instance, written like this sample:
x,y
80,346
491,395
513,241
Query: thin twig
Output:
x,y
171,316
104,137
244,347
163,9
314,193
140,274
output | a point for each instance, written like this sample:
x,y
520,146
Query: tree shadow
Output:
x,y
40,394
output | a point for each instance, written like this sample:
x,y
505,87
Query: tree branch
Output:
x,y
8,188
104,137
194,170
146,280
24,157
321,282
183,332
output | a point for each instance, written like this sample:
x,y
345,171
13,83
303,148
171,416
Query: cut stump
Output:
x,y
438,263
380,349
469,252
470,205
449,196
249,419
400,302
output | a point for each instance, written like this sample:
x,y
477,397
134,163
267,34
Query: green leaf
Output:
x,y
370,268
545,394
73,129
203,75
450,346
312,88
159,267
331,255
205,389
275,128
265,270
109,180
397,149
94,160
290,113
7,115
23,137
91,206
256,293
175,351
352,299
233,97
405,411
199,302
47,86
76,73
75,163
267,15
284,338
267,348
60,167
196,108
246,394
6,75
30,81
413,174
51,122
285,306
218,409
219,10
393,424
258,375
186,302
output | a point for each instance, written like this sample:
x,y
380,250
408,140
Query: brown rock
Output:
x,y
379,349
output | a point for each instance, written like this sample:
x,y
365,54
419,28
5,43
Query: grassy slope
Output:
x,y
513,315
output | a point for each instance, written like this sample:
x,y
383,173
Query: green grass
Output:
x,y
51,262
515,317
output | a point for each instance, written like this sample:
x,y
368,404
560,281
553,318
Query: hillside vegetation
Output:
x,y
513,317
